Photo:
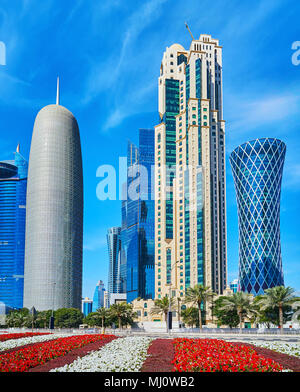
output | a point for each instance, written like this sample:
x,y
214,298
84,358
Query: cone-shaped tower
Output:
x,y
54,221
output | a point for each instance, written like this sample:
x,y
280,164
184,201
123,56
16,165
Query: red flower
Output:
x,y
213,355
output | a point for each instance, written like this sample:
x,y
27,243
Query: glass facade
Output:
x,y
138,219
13,185
98,298
54,219
257,168
114,253
87,306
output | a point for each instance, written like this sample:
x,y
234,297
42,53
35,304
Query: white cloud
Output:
x,y
269,109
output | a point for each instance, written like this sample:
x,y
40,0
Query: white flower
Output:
x,y
121,355
281,347
12,343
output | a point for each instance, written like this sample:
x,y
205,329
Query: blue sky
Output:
x,y
108,53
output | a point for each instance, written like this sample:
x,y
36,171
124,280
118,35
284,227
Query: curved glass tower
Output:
x,y
54,222
257,170
13,184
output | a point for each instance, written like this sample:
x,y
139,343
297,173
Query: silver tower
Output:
x,y
54,222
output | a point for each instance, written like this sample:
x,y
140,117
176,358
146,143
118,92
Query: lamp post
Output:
x,y
169,323
51,321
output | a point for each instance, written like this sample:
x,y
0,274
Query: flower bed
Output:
x,y
120,355
25,358
73,355
288,362
13,336
281,347
160,356
212,355
13,344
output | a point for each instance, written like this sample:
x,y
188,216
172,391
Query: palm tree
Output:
x,y
104,315
162,306
121,311
277,297
197,295
190,316
241,303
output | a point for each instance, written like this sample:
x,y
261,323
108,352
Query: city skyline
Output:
x,y
266,106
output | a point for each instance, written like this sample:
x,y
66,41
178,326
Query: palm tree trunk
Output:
x,y
120,323
241,321
200,317
280,318
166,320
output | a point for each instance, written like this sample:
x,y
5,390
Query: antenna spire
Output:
x,y
57,92
18,148
189,31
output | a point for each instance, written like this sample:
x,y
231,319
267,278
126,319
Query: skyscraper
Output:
x,y
114,254
190,210
13,185
257,168
138,219
98,299
54,221
87,306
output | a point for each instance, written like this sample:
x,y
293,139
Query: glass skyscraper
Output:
x,y
114,253
257,168
98,299
13,185
138,219
54,219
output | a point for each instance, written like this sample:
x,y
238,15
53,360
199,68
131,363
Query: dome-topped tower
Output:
x,y
54,222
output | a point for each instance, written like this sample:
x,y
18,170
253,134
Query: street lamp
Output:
x,y
51,321
170,294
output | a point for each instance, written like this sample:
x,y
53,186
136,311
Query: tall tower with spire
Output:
x,y
54,222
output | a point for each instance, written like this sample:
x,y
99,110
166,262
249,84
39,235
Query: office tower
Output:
x,y
138,218
190,210
13,184
87,306
257,170
54,221
114,253
98,299
234,285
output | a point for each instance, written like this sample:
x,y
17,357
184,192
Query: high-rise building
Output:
x,y
13,185
234,285
114,253
257,168
98,299
190,210
87,306
138,219
54,221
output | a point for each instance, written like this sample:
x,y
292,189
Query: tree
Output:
x,y
190,316
42,318
68,318
123,313
197,295
17,318
277,297
93,319
225,317
240,303
162,306
104,315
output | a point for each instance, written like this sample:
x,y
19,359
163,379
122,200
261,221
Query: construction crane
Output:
x,y
189,31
